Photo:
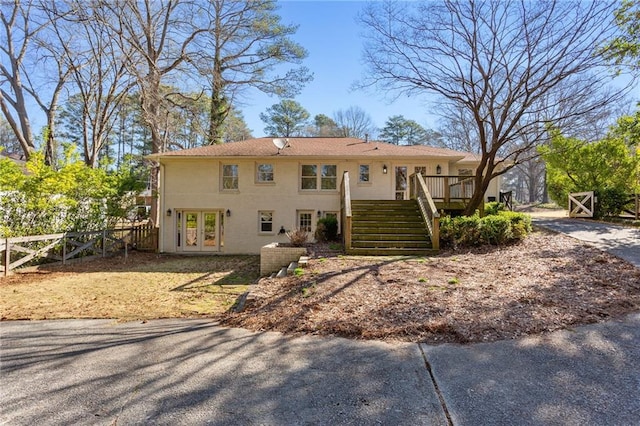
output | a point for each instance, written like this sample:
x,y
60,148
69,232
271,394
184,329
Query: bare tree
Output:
x,y
19,31
354,122
97,69
159,33
510,67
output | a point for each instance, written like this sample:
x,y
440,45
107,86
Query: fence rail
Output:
x,y
18,251
632,207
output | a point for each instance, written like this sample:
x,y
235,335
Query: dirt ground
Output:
x,y
544,283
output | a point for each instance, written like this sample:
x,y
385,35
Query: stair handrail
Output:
x,y
427,208
345,210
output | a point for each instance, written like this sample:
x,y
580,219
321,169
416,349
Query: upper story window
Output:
x,y
264,173
363,174
230,177
309,176
326,179
329,178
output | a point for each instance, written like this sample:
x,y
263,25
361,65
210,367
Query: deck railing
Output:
x,y
345,210
419,192
450,188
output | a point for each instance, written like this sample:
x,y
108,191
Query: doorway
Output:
x,y
401,183
199,230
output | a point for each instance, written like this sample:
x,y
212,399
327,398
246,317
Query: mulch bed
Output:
x,y
544,283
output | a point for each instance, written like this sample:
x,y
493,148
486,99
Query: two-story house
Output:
x,y
236,197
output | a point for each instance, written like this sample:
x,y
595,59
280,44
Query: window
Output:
x,y
266,221
363,174
309,176
327,179
229,176
305,221
264,173
422,170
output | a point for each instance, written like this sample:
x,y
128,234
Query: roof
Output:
x,y
315,147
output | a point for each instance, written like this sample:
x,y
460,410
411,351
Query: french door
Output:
x,y
199,230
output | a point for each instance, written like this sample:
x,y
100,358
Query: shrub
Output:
x,y
611,202
297,237
497,229
327,229
493,208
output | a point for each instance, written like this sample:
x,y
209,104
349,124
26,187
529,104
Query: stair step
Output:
x,y
292,267
388,227
391,252
391,244
390,237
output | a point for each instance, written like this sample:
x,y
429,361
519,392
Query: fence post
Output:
x,y
104,243
64,249
7,257
637,206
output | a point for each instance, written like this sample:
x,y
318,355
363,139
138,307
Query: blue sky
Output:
x,y
331,35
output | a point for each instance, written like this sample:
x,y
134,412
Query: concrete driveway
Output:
x,y
620,241
193,372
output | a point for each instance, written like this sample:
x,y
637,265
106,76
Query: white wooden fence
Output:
x,y
18,251
581,204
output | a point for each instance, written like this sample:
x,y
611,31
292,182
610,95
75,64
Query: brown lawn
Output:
x,y
145,286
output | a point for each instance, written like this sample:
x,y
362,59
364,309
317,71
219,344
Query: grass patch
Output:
x,y
147,286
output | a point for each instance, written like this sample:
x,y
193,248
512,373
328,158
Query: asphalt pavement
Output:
x,y
193,372
618,240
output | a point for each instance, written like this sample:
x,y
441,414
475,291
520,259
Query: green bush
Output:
x,y
495,229
493,208
611,202
327,229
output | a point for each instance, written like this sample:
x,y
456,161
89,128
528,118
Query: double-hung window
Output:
x,y
329,179
266,221
264,173
318,176
229,177
309,176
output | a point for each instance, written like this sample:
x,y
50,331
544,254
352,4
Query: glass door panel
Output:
x,y
401,182
210,240
191,240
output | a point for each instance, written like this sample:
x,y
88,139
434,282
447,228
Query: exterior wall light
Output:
x,y
438,170
228,213
384,169
169,212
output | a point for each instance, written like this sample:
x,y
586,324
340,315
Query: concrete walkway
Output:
x,y
193,372
620,241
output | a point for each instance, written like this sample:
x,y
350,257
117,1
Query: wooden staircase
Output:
x,y
388,227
